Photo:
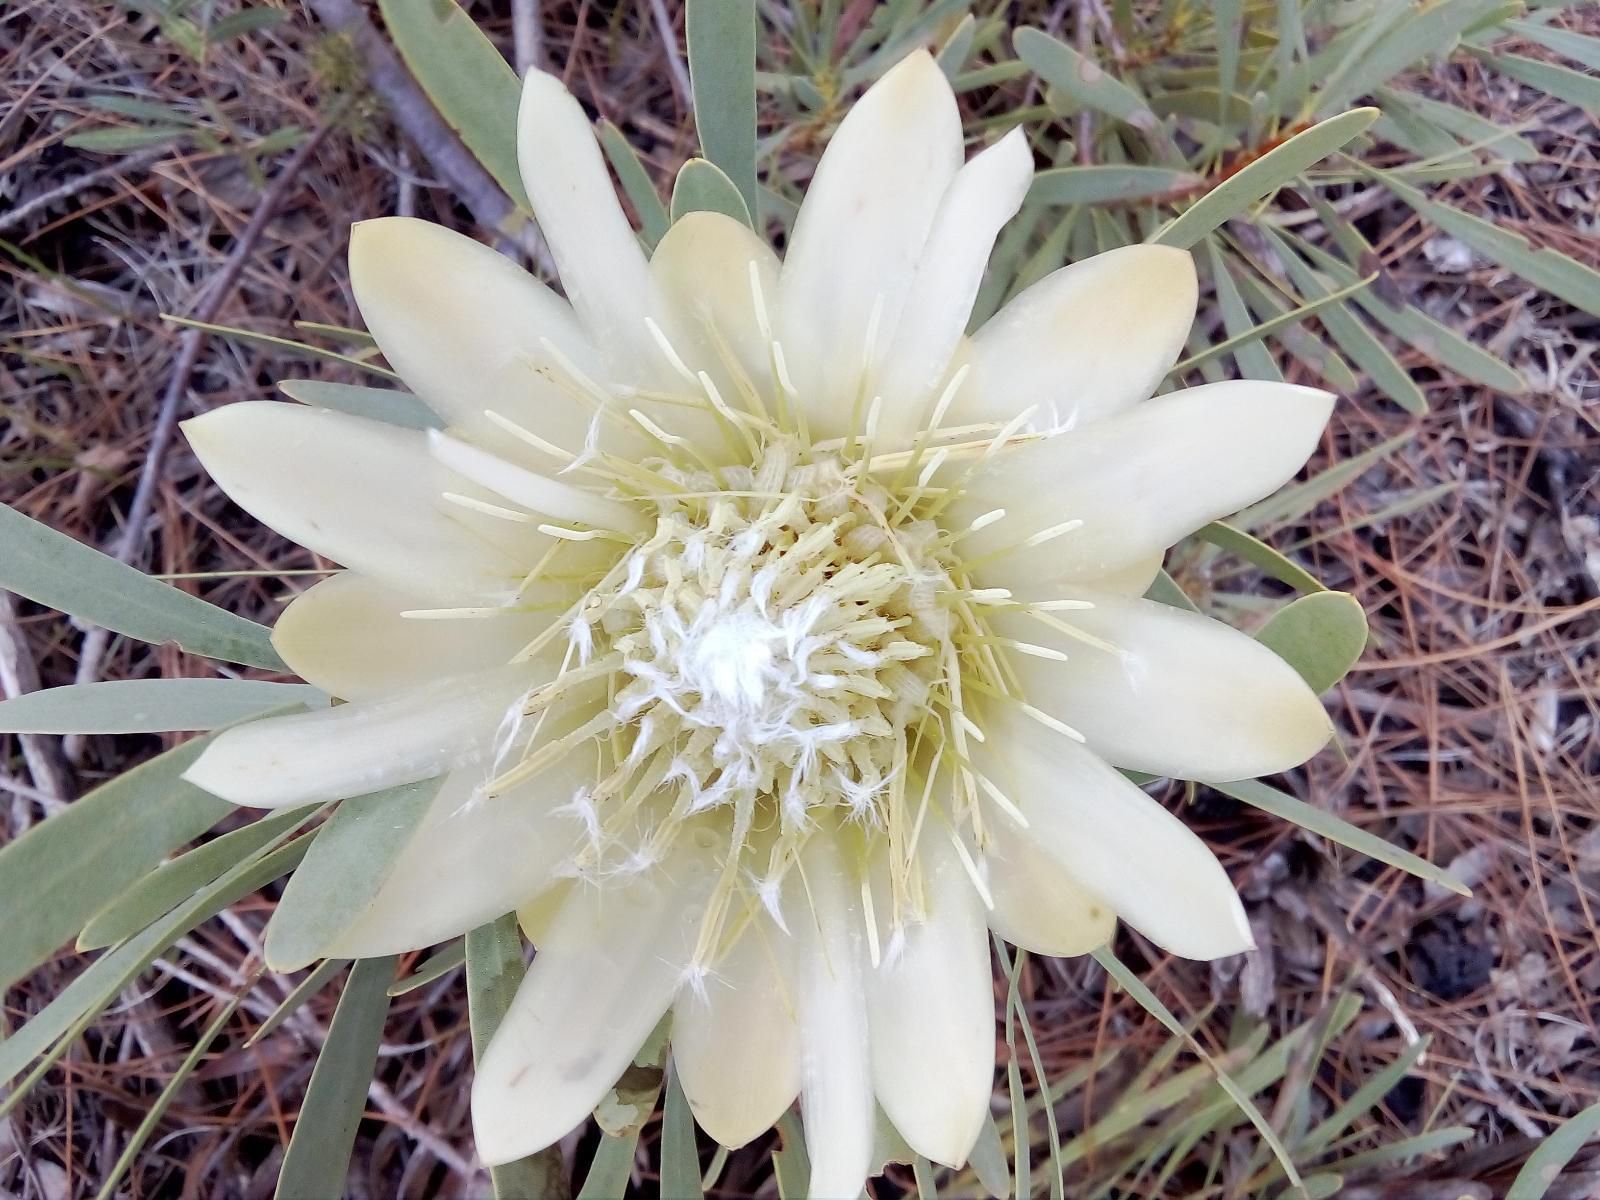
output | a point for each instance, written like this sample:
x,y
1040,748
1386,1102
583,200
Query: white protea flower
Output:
x,y
775,640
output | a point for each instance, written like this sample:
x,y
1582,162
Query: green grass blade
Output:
x,y
1431,30
495,968
1254,360
612,1168
62,573
308,987
1321,636
1551,1156
790,1162
1315,820
149,705
468,80
1262,177
317,1160
1575,87
1363,1099
437,966
67,868
1576,46
1297,500
722,70
347,863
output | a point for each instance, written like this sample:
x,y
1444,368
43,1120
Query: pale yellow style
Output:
x,y
775,639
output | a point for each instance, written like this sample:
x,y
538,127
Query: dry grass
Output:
x,y
1470,731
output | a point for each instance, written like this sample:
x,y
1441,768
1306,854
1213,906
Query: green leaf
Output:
x,y
287,345
141,110
62,573
1262,177
468,80
346,865
246,20
790,1161
636,184
1147,1000
1350,335
495,968
376,404
1468,126
1572,281
1551,1156
702,187
989,1163
1576,46
438,965
1260,555
308,987
71,1012
1164,589
66,868
1321,636
1059,65
106,141
611,1168
1097,185
1361,1101
149,705
722,70
156,1109
157,893
1325,824
317,1161
1298,499
1575,87
1432,29
957,47
680,1160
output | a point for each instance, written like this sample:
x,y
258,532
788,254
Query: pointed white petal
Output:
x,y
861,231
1186,696
466,328
985,194
1084,342
346,635
1147,864
930,1009
835,1075
737,1048
353,749
1140,481
702,268
529,490
606,972
472,859
602,265
366,494
1038,904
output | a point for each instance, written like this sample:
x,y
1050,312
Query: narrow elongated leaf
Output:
x,y
1576,46
308,987
1298,499
1099,184
376,404
680,1162
1256,552
108,141
636,184
1059,65
318,1158
347,864
437,966
1300,343
1551,1156
1335,829
468,80
611,1168
1572,281
701,186
953,54
1363,1099
1262,177
63,870
362,360
790,1162
1321,636
149,705
1468,126
157,1108
62,573
71,1012
495,968
1575,87
1430,30
154,895
722,70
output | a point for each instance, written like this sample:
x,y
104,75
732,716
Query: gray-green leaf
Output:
x,y
150,705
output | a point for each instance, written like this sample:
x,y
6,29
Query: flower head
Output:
x,y
774,639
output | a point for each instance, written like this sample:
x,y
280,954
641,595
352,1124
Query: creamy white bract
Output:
x,y
775,639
